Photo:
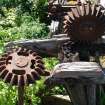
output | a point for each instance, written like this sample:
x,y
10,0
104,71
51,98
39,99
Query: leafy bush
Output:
x,y
50,62
24,19
30,30
8,19
8,94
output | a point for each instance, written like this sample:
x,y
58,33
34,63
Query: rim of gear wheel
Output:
x,y
21,67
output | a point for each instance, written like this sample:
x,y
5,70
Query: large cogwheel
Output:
x,y
85,22
21,67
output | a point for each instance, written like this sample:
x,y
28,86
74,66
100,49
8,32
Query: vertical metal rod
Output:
x,y
20,95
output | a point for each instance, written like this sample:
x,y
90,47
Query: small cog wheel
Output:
x,y
85,22
21,67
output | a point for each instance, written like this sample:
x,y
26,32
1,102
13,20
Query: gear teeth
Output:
x,y
30,79
20,51
98,11
65,26
30,52
39,61
25,51
14,80
5,55
46,73
79,10
8,77
3,73
65,22
3,59
21,81
16,73
83,10
93,10
2,67
2,63
12,50
34,54
88,9
39,71
85,19
66,31
9,52
35,75
71,16
67,19
75,12
40,66
102,15
38,57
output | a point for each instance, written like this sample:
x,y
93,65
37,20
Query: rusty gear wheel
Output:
x,y
85,22
21,67
54,12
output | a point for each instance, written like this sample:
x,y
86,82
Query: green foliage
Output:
x,y
8,19
8,94
102,97
50,63
30,29
35,8
23,26
24,19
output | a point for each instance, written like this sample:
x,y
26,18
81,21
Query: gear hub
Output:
x,y
21,67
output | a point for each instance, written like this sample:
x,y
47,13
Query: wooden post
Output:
x,y
91,94
76,93
20,95
80,81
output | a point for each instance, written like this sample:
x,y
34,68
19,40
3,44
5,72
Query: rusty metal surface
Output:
x,y
21,67
86,22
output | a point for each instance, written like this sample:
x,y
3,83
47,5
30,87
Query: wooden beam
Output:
x,y
79,70
45,47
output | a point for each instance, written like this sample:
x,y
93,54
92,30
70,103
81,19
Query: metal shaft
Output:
x,y
20,95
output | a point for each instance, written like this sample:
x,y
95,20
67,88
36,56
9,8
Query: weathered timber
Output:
x,y
80,80
91,94
48,47
56,100
60,36
76,93
45,47
78,70
51,82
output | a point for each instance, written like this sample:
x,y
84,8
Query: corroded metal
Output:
x,y
21,66
85,22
